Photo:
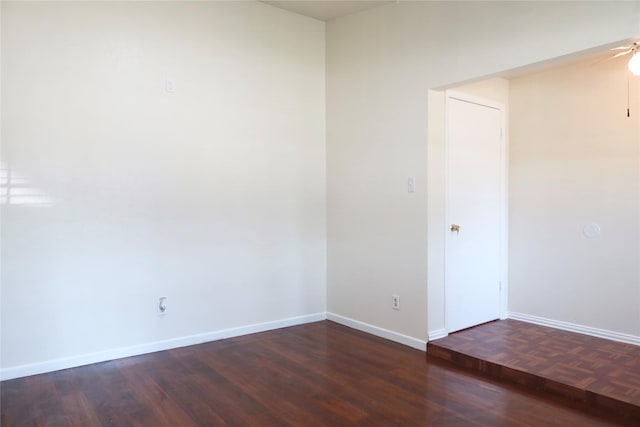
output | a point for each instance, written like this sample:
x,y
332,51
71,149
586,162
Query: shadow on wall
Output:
x,y
15,189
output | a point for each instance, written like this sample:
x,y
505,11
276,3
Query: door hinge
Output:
x,y
500,285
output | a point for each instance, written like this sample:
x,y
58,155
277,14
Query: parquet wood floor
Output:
x,y
598,372
319,374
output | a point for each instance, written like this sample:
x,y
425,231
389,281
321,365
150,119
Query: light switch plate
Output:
x,y
411,184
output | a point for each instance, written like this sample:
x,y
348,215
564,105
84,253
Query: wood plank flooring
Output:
x,y
319,374
595,371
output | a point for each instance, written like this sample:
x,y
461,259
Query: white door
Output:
x,y
475,213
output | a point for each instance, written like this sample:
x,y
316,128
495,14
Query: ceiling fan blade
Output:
x,y
622,47
609,58
622,53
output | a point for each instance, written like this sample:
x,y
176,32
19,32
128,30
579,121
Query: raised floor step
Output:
x,y
598,372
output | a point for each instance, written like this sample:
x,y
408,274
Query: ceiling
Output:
x,y
325,10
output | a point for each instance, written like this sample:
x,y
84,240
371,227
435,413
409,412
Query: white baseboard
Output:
x,y
118,353
572,327
437,334
379,332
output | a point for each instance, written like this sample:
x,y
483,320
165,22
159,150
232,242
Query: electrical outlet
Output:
x,y
162,305
395,302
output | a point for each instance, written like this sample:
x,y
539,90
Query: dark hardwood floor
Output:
x,y
319,374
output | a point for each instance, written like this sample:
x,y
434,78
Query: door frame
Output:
x,y
503,238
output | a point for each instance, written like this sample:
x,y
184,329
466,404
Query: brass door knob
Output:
x,y
455,227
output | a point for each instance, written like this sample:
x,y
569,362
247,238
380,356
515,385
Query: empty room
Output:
x,y
320,213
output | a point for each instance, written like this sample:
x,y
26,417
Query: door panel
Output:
x,y
475,206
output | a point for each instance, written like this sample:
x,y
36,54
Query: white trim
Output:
x,y
118,353
437,334
378,331
580,329
485,102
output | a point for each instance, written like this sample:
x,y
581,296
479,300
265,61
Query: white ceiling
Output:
x,y
325,10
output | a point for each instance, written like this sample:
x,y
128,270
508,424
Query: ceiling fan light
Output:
x,y
634,64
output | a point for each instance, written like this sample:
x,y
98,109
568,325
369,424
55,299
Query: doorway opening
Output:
x,y
573,158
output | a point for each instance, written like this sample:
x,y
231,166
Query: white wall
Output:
x,y
213,195
575,159
381,64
